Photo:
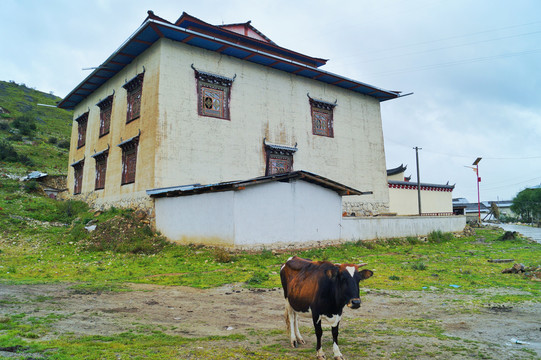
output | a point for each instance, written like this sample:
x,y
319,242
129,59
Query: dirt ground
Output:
x,y
498,332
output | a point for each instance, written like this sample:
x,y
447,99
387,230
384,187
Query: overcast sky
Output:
x,y
474,68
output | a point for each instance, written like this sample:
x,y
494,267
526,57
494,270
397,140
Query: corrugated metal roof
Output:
x,y
193,189
252,50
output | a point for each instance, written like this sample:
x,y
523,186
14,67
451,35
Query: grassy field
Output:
x,y
44,242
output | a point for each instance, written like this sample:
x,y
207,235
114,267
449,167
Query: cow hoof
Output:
x,y
295,344
321,357
301,341
339,358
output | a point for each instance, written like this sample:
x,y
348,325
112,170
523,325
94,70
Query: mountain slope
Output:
x,y
32,137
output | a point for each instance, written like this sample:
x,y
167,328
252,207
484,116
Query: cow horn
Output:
x,y
362,264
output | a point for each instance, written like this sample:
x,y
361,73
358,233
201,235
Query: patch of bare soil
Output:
x,y
496,331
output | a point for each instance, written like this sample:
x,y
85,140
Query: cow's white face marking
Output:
x,y
351,270
283,266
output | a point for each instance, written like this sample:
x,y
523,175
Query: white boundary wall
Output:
x,y
387,227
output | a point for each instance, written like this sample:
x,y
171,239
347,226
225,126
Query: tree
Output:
x,y
527,205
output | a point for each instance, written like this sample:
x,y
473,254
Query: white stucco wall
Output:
x,y
266,214
199,219
387,227
405,201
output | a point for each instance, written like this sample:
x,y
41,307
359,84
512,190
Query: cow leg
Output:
x,y
297,331
319,332
293,326
336,350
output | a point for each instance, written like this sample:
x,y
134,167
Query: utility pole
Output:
x,y
418,178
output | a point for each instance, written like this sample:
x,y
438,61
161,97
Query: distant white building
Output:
x,y
436,199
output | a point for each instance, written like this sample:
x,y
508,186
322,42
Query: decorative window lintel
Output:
x,y
78,164
102,155
106,103
134,82
131,143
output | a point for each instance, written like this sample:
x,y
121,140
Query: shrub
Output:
x,y
4,126
64,144
222,256
8,152
31,186
25,124
68,210
438,237
52,140
418,266
258,278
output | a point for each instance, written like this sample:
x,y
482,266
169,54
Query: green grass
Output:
x,y
49,122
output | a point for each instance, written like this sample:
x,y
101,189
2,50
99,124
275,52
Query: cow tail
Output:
x,y
286,317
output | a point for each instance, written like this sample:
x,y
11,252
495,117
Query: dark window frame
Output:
x,y
129,160
82,123
134,97
106,109
322,112
217,85
101,169
276,154
78,168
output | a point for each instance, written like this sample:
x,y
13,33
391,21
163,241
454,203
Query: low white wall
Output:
x,y
199,219
387,227
271,214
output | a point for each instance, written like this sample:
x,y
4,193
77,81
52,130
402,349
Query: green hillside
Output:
x,y
32,137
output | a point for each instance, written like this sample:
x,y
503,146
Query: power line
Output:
x,y
454,63
468,156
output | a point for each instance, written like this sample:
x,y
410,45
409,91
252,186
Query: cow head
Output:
x,y
348,277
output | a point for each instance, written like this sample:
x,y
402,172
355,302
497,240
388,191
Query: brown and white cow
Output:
x,y
322,288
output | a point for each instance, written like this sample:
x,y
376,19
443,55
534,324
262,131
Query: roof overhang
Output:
x,y
154,29
194,189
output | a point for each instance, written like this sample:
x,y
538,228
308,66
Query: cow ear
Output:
x,y
332,273
365,274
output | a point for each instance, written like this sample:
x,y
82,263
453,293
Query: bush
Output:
x,y
52,140
7,152
418,266
15,137
64,144
222,255
31,186
258,278
438,237
68,210
4,126
25,124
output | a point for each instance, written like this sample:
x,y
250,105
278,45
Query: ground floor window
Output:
x,y
101,169
279,158
78,176
129,159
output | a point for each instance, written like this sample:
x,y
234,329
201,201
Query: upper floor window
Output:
x,y
279,158
106,107
82,122
78,176
134,87
322,117
101,168
213,94
129,159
